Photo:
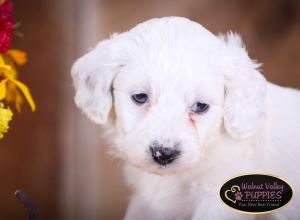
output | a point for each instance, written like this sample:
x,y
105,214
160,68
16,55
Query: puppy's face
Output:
x,y
173,86
164,115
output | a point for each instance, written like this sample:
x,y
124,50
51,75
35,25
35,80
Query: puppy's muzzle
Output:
x,y
163,155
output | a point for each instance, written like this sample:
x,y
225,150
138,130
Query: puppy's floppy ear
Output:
x,y
245,90
93,75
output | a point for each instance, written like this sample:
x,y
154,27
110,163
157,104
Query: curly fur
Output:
x,y
252,126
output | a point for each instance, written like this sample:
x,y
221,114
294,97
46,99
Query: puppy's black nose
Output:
x,y
164,155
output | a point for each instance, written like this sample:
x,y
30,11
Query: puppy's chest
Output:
x,y
170,195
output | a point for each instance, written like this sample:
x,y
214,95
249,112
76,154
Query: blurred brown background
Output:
x,y
55,154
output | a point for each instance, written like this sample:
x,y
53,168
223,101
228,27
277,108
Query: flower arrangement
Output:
x,y
11,89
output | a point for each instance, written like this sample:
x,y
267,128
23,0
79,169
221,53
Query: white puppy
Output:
x,y
186,111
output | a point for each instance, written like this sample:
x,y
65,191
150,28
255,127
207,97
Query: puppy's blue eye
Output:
x,y
199,107
140,98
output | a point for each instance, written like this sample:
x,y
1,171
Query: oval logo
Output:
x,y
256,193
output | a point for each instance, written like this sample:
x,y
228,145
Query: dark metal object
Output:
x,y
28,204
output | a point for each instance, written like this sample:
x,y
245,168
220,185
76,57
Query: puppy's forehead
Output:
x,y
173,50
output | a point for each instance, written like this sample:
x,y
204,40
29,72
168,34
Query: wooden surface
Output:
x,y
32,155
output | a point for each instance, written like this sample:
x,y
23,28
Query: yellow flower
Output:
x,y
18,56
5,116
4,67
11,89
15,92
3,89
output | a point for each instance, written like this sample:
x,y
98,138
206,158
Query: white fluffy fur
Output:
x,y
252,125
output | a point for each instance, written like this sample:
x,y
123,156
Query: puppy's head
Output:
x,y
173,85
